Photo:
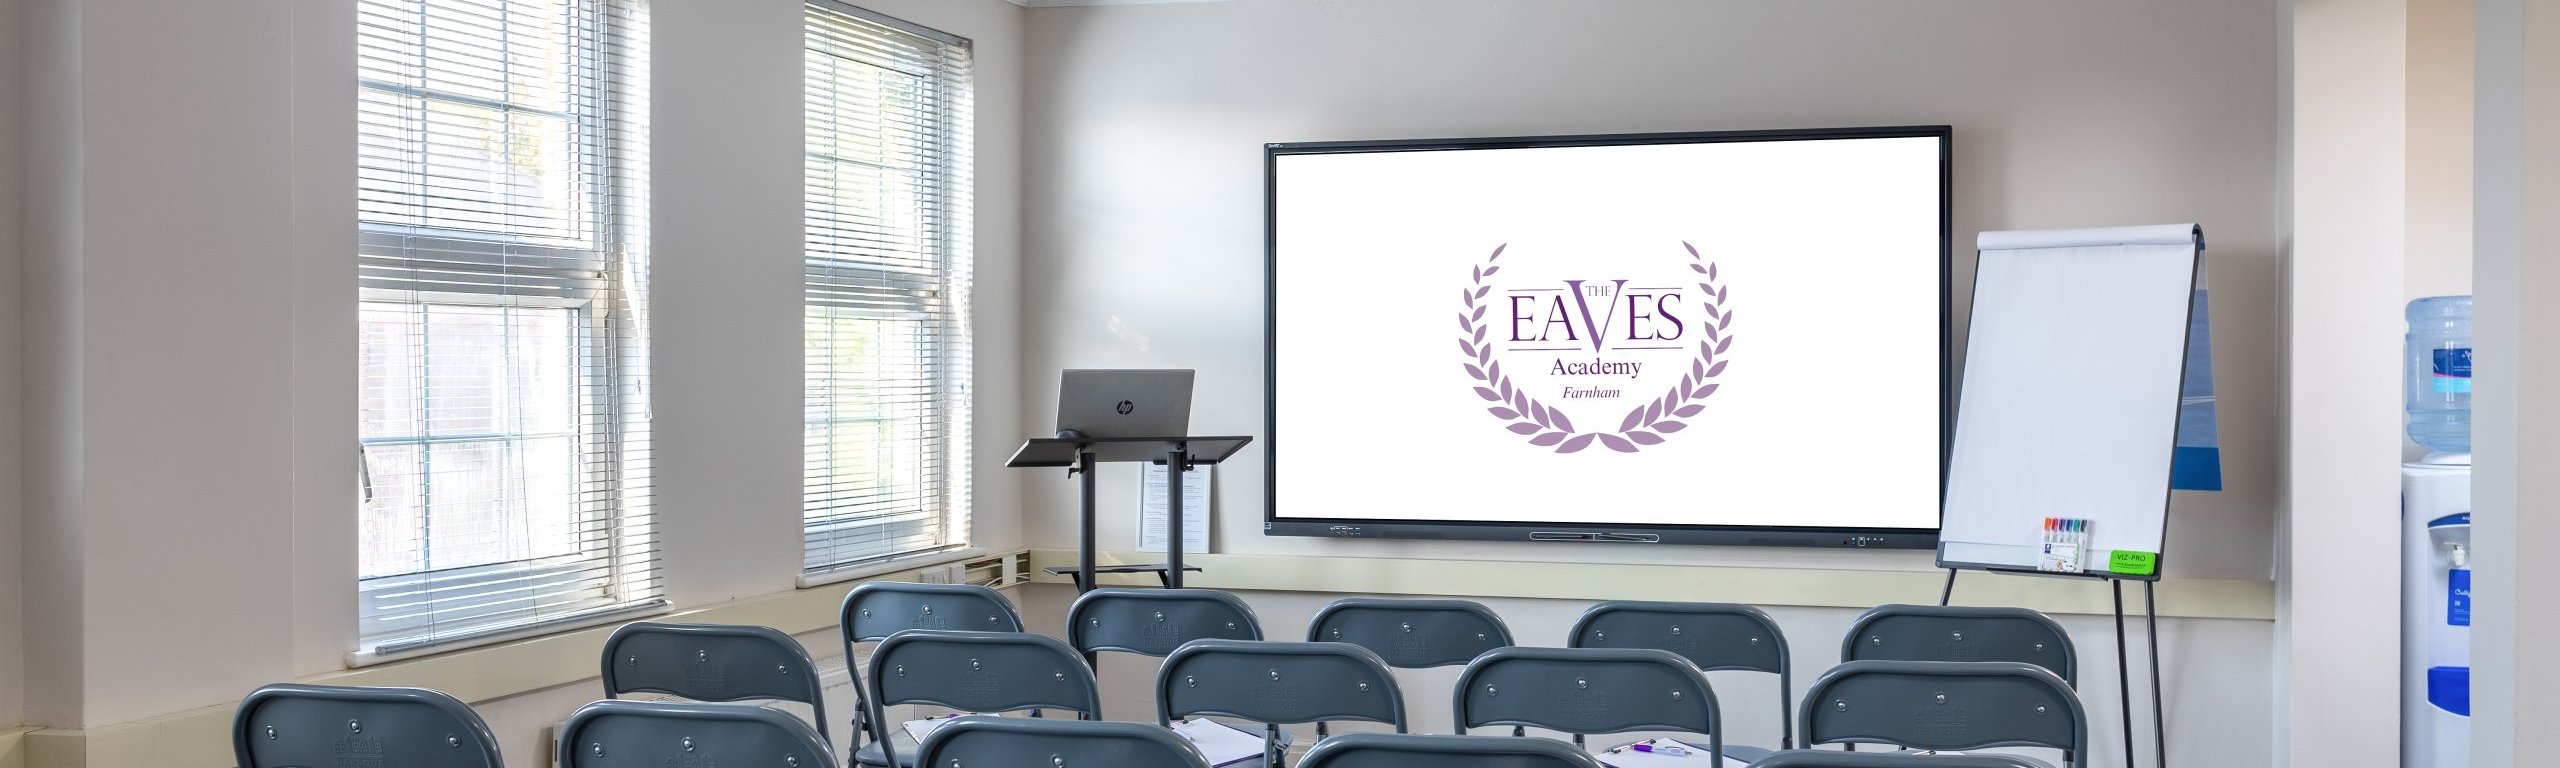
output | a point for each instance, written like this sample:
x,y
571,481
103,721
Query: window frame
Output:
x,y
610,519
938,297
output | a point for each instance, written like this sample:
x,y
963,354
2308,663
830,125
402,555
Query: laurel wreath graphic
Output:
x,y
1548,427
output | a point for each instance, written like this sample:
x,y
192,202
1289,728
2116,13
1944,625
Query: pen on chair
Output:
x,y
1672,751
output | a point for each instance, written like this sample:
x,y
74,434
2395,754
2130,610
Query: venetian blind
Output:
x,y
504,419
886,255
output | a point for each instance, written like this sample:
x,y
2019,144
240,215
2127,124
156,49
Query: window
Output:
x,y
886,313
503,408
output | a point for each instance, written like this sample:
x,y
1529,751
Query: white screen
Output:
x,y
1825,413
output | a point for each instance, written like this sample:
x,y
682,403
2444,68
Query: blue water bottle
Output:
x,y
2439,380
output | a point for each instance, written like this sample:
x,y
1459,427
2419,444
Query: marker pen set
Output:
x,y
2066,545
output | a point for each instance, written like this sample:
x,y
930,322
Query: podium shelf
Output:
x,y
1082,454
1061,451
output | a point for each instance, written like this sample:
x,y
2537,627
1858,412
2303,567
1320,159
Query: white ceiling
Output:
x,y
1057,3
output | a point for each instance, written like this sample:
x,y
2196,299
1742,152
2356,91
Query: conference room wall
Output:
x,y
1144,224
1144,125
189,529
727,146
726,133
12,586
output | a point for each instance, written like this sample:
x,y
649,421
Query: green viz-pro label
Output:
x,y
2133,563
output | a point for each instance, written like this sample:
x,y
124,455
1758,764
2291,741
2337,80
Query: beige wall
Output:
x,y
190,312
161,436
2516,416
2344,289
1145,227
49,368
726,79
1144,126
2440,51
12,582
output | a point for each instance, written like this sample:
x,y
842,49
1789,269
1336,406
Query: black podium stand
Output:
x,y
1080,454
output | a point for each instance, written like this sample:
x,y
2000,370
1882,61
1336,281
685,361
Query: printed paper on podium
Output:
x,y
1195,510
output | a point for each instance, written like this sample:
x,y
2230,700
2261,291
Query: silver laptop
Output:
x,y
1124,403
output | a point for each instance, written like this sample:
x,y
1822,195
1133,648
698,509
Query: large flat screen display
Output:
x,y
1735,338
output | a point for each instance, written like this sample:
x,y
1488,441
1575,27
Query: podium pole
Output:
x,y
1084,554
1176,463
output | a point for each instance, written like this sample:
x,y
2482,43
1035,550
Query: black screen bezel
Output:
x,y
1742,535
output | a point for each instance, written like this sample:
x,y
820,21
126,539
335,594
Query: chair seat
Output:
x,y
1866,754
1737,752
1747,753
869,754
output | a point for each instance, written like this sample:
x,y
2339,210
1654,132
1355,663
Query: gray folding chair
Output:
x,y
650,734
982,672
1154,622
1961,633
875,610
304,726
1398,750
1806,758
1715,636
1278,684
1411,634
1583,691
1945,705
712,662
1002,742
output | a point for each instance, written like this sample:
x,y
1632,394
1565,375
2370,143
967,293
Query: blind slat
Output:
x,y
886,253
501,270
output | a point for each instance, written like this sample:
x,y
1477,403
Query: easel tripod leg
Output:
x,y
2159,723
2124,673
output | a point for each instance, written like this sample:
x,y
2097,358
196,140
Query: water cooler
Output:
x,y
2435,536
2435,626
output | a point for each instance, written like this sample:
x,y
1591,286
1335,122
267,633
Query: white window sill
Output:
x,y
893,565
364,658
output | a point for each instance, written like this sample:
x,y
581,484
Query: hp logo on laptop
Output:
x,y
1125,407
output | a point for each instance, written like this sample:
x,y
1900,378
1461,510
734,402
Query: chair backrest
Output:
x,y
878,609
1006,741
1411,634
1281,683
1945,705
1398,750
1588,690
624,734
1153,622
317,726
1807,758
978,672
712,662
1961,633
1714,636
873,611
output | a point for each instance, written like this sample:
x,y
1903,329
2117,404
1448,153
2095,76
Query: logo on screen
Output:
x,y
1639,351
